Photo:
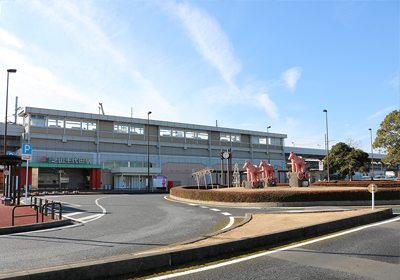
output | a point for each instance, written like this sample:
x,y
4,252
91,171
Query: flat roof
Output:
x,y
80,115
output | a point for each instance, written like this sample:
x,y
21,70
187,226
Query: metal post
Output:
x,y
5,123
372,157
228,172
222,169
148,150
373,196
327,142
268,143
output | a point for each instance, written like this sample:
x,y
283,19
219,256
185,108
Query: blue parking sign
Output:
x,y
26,149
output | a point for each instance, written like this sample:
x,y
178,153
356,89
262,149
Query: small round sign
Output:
x,y
6,172
370,188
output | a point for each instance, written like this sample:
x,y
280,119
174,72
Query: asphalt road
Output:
x,y
370,253
110,225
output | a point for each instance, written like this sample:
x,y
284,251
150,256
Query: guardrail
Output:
x,y
26,205
44,205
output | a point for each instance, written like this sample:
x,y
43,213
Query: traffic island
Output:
x,y
285,196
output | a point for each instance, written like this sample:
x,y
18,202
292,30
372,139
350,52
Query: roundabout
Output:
x,y
285,196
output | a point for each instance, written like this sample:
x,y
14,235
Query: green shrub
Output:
x,y
284,195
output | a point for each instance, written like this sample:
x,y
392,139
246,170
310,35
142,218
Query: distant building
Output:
x,y
100,151
81,150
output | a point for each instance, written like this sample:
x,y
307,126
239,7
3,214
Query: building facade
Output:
x,y
76,150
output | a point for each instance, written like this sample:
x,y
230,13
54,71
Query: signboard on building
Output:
x,y
321,166
159,181
70,160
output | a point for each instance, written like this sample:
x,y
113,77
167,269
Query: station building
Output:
x,y
75,150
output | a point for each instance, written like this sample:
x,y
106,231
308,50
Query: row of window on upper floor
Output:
x,y
54,122
263,141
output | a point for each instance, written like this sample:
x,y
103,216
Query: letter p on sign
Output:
x,y
26,149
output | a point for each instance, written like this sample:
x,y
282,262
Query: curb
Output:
x,y
32,227
118,265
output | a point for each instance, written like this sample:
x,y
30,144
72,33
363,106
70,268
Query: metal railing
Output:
x,y
44,205
52,205
26,205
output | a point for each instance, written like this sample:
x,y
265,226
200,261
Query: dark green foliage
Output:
x,y
388,138
285,196
345,160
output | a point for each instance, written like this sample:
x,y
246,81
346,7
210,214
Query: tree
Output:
x,y
345,160
388,138
356,144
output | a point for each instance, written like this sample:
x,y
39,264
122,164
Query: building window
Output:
x,y
225,137
262,140
89,125
275,141
202,135
165,132
235,138
72,124
38,120
55,122
137,129
230,137
178,133
121,128
190,134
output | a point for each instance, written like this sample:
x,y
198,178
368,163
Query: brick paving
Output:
x,y
22,216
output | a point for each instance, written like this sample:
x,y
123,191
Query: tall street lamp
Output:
x,y
5,123
148,150
268,127
327,142
372,156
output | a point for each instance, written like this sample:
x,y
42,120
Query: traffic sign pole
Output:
x,y
373,196
26,154
26,181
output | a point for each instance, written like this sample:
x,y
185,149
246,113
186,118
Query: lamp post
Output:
x,y
148,150
372,157
327,141
5,123
293,144
268,127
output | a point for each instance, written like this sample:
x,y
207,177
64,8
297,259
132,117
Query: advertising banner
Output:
x,y
159,181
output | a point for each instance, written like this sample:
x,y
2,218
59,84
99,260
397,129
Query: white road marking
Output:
x,y
202,206
91,218
214,209
226,213
231,221
271,252
71,214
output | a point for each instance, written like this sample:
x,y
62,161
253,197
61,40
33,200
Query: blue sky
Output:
x,y
247,64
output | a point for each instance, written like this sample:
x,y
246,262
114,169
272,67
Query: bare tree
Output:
x,y
355,144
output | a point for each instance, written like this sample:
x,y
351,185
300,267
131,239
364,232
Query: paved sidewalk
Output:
x,y
22,216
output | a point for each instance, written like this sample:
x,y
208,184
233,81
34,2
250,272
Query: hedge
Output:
x,y
193,193
379,183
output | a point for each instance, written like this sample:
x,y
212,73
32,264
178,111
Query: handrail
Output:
x,y
26,205
42,208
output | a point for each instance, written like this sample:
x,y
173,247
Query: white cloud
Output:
x,y
381,113
10,39
394,81
291,76
208,37
263,101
